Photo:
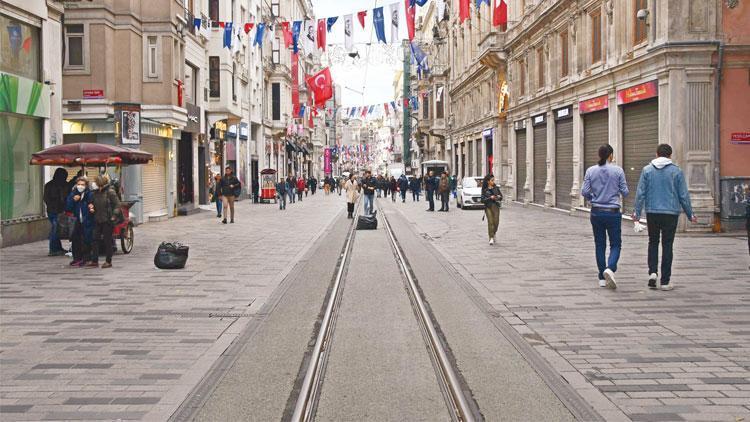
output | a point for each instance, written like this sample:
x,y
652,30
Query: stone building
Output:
x,y
632,73
31,79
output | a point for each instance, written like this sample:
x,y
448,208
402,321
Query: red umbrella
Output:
x,y
89,154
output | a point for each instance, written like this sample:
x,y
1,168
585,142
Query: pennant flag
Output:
x,y
372,107
330,22
197,23
393,106
463,10
394,22
296,28
228,35
259,34
378,20
308,39
385,107
248,27
361,16
322,34
352,111
411,13
479,3
500,14
364,112
419,58
221,24
406,102
288,39
420,3
321,86
348,27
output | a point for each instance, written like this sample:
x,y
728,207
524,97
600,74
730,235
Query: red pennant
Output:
x,y
221,24
322,34
287,34
463,10
248,27
361,16
500,14
364,111
387,112
411,11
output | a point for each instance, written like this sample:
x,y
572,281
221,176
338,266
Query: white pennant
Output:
x,y
348,29
394,22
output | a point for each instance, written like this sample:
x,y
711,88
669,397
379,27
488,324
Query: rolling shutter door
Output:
x,y
520,164
540,162
154,176
563,162
595,134
640,123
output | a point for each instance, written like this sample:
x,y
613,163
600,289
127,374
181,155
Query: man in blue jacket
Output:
x,y
663,192
403,185
431,184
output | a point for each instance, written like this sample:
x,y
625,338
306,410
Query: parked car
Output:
x,y
469,193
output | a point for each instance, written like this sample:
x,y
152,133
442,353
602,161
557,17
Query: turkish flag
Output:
x,y
321,85
500,14
288,40
322,34
410,15
463,10
249,27
361,16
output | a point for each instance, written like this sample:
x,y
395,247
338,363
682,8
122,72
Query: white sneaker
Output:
x,y
492,241
668,286
609,277
652,278
602,283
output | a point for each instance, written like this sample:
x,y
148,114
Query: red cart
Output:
x,y
268,185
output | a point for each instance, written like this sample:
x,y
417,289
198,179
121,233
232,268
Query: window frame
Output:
x,y
84,66
214,12
234,82
564,54
152,57
596,36
439,102
522,77
214,77
276,101
276,51
540,76
640,27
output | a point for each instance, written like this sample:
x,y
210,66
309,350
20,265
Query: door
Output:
x,y
185,168
202,194
520,165
540,162
640,127
595,134
563,163
154,176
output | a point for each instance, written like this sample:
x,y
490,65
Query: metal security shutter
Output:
x,y
520,164
640,127
563,162
595,134
154,176
540,162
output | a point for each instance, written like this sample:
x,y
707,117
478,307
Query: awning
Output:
x,y
305,151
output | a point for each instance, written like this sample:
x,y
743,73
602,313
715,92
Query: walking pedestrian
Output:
x,y
662,191
491,198
256,189
326,185
216,195
431,186
416,188
393,188
300,188
306,182
352,194
444,189
55,194
340,184
83,232
281,193
105,207
602,186
312,185
229,187
403,186
369,185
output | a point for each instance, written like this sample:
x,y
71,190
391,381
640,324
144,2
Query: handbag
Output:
x,y
116,216
66,223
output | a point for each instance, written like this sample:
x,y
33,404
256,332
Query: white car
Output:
x,y
469,193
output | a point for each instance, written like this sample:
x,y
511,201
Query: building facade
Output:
x,y
30,112
633,74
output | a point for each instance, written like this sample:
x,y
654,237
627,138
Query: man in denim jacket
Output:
x,y
663,192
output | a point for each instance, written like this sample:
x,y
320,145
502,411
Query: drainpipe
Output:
x,y
717,144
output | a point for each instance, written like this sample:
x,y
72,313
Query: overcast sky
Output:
x,y
376,79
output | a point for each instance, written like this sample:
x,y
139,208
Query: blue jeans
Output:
x,y
219,206
431,198
607,224
290,194
55,245
282,201
369,200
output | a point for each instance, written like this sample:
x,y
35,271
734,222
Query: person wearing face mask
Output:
x,y
83,233
104,207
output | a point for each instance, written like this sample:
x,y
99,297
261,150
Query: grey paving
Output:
x,y
71,339
633,352
379,367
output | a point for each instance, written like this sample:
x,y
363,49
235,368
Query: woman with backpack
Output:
x,y
491,198
105,207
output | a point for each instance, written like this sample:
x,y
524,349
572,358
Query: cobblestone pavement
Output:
x,y
132,341
635,353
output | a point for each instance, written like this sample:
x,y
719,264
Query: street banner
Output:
x,y
378,20
295,83
348,26
394,22
327,161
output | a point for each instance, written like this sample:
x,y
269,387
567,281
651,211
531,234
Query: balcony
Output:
x,y
491,52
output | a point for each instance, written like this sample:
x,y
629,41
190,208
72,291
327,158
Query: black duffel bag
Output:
x,y
171,256
367,222
66,223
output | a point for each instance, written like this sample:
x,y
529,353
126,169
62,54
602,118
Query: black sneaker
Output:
x,y
224,221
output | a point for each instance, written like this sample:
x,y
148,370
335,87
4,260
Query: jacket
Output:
x,y
452,181
662,189
352,191
56,192
444,185
229,185
487,195
300,185
369,185
106,205
431,183
281,187
403,183
603,185
415,184
393,184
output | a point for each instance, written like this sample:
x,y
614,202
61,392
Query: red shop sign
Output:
x,y
740,138
635,93
93,94
593,104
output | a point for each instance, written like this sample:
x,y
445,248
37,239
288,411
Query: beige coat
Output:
x,y
352,191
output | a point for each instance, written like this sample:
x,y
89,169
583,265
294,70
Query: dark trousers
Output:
x,y
664,226
350,209
393,195
444,200
102,237
607,224
299,194
55,245
81,243
403,195
431,198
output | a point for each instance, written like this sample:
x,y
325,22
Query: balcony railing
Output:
x,y
491,52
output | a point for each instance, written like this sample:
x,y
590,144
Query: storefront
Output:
x,y
488,135
520,159
185,167
595,128
640,132
540,157
155,176
563,157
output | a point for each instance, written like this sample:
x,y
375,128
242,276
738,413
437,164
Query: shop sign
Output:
x,y
740,138
564,113
487,133
639,92
539,119
128,123
93,94
594,104
193,118
243,130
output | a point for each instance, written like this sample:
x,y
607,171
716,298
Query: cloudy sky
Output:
x,y
367,81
